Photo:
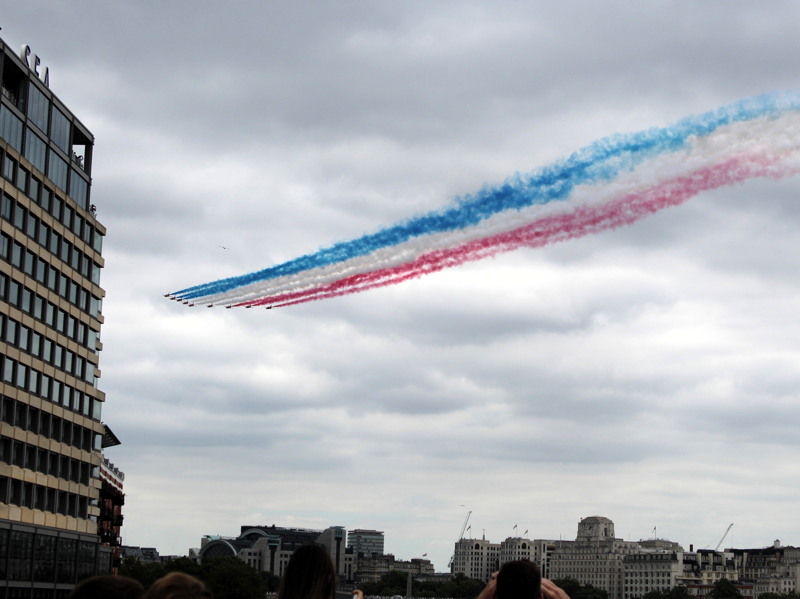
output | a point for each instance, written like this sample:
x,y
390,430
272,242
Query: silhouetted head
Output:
x,y
177,585
519,580
309,575
108,587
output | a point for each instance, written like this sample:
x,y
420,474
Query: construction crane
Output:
x,y
727,530
460,536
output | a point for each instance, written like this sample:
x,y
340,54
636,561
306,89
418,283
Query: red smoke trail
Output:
x,y
583,220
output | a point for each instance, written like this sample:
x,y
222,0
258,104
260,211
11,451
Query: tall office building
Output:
x,y
366,542
51,436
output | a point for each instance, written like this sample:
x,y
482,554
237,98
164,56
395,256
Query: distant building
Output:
x,y
631,569
112,498
479,558
146,555
651,571
371,569
595,557
51,434
774,569
542,555
704,567
268,548
365,542
476,558
515,548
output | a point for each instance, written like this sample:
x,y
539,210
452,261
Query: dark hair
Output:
x,y
309,575
519,580
178,585
108,587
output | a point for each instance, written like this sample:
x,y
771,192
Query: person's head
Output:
x,y
108,587
309,575
519,580
177,585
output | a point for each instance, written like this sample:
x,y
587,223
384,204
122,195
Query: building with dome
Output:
x,y
595,557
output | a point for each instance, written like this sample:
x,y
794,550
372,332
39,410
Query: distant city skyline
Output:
x,y
596,527
625,569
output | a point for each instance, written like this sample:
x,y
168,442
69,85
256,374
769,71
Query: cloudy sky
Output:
x,y
648,374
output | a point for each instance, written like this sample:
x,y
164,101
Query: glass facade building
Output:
x,y
365,542
51,434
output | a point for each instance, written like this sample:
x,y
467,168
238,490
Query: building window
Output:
x,y
7,210
11,128
46,198
45,548
20,555
38,107
57,170
97,242
67,216
9,167
13,79
56,205
65,567
22,375
31,226
60,130
35,150
8,370
22,180
17,252
79,189
30,268
19,217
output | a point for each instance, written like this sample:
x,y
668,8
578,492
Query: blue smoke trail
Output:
x,y
601,161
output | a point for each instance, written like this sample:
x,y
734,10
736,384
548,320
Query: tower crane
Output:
x,y
460,536
464,527
727,530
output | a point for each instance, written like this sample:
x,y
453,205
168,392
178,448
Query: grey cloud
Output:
x,y
626,363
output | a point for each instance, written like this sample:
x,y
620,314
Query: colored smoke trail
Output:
x,y
613,182
584,221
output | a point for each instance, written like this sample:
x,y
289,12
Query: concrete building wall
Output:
x,y
371,569
651,571
515,548
476,558
595,557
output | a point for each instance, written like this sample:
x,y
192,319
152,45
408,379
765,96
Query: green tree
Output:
x,y
569,585
679,592
185,565
676,592
271,581
395,583
146,573
789,595
230,578
227,577
461,587
576,590
724,589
